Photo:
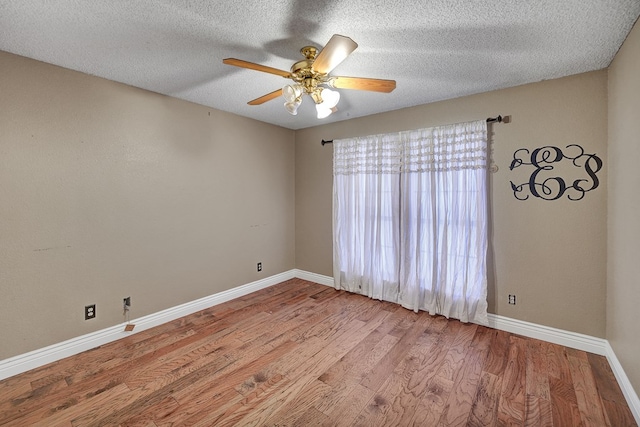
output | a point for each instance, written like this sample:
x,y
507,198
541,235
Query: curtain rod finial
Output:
x,y
499,119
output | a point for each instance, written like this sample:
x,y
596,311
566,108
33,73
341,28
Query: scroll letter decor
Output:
x,y
554,187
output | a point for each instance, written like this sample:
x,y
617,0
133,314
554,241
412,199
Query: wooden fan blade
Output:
x,y
267,97
335,51
253,66
361,83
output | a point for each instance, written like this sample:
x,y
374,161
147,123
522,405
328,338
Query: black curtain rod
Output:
x,y
499,119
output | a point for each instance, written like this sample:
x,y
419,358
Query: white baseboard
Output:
x,y
24,362
314,277
624,383
546,333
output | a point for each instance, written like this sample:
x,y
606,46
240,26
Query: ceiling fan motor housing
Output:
x,y
302,69
302,73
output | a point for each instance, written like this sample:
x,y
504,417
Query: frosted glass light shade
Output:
x,y
330,98
323,111
291,92
292,107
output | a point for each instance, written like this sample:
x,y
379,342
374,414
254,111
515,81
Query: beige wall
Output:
x,y
108,191
623,284
551,254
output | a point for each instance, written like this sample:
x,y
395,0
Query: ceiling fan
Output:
x,y
311,76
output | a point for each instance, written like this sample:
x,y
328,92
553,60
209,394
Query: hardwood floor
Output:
x,y
303,354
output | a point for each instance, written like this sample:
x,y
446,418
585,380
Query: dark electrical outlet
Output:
x,y
259,266
512,299
89,311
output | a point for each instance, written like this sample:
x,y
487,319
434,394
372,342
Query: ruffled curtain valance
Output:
x,y
450,147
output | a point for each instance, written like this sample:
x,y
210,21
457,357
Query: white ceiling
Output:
x,y
434,49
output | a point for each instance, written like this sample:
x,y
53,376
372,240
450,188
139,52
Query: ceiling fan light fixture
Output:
x,y
292,92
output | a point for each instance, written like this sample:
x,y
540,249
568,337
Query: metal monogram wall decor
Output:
x,y
553,188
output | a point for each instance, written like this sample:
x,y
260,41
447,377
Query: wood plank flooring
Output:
x,y
302,354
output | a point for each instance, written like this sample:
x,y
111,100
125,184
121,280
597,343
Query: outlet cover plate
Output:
x,y
89,311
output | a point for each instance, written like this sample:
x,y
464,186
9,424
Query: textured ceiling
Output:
x,y
434,49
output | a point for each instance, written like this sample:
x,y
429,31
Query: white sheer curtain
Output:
x,y
410,218
366,188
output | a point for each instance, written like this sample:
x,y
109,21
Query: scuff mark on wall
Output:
x,y
51,248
